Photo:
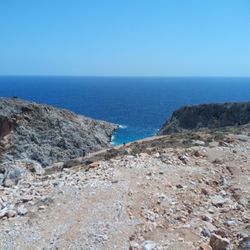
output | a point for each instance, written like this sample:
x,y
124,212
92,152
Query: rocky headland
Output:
x,y
46,134
207,116
180,191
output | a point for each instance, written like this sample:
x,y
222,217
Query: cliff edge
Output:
x,y
207,116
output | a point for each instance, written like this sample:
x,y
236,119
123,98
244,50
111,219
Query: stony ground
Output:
x,y
184,192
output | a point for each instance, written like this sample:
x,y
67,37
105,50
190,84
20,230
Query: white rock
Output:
x,y
149,245
134,244
198,143
230,223
218,200
22,210
11,213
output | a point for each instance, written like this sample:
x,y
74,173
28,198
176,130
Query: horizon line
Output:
x,y
121,76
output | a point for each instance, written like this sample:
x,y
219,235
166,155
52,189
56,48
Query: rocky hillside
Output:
x,y
46,134
175,192
207,116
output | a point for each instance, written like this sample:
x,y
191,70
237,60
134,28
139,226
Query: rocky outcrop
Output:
x,y
47,134
207,116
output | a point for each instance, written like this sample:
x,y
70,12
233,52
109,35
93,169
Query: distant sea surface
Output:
x,y
139,105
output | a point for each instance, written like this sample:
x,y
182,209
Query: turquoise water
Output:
x,y
140,105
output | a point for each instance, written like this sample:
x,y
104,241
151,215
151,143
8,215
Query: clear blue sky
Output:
x,y
125,37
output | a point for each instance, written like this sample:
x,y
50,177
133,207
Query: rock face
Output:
x,y
47,134
207,116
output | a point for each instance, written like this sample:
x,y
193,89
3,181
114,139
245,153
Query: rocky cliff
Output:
x,y
47,134
207,116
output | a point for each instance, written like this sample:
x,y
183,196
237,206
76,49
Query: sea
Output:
x,y
140,105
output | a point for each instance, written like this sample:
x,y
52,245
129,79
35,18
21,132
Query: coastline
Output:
x,y
113,136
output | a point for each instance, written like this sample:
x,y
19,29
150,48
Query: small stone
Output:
x,y
182,219
198,143
4,198
8,183
42,207
230,223
219,243
130,193
206,217
204,191
150,215
205,232
149,245
211,210
218,201
157,155
184,159
94,164
217,161
179,186
11,213
22,210
133,245
27,198
223,193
